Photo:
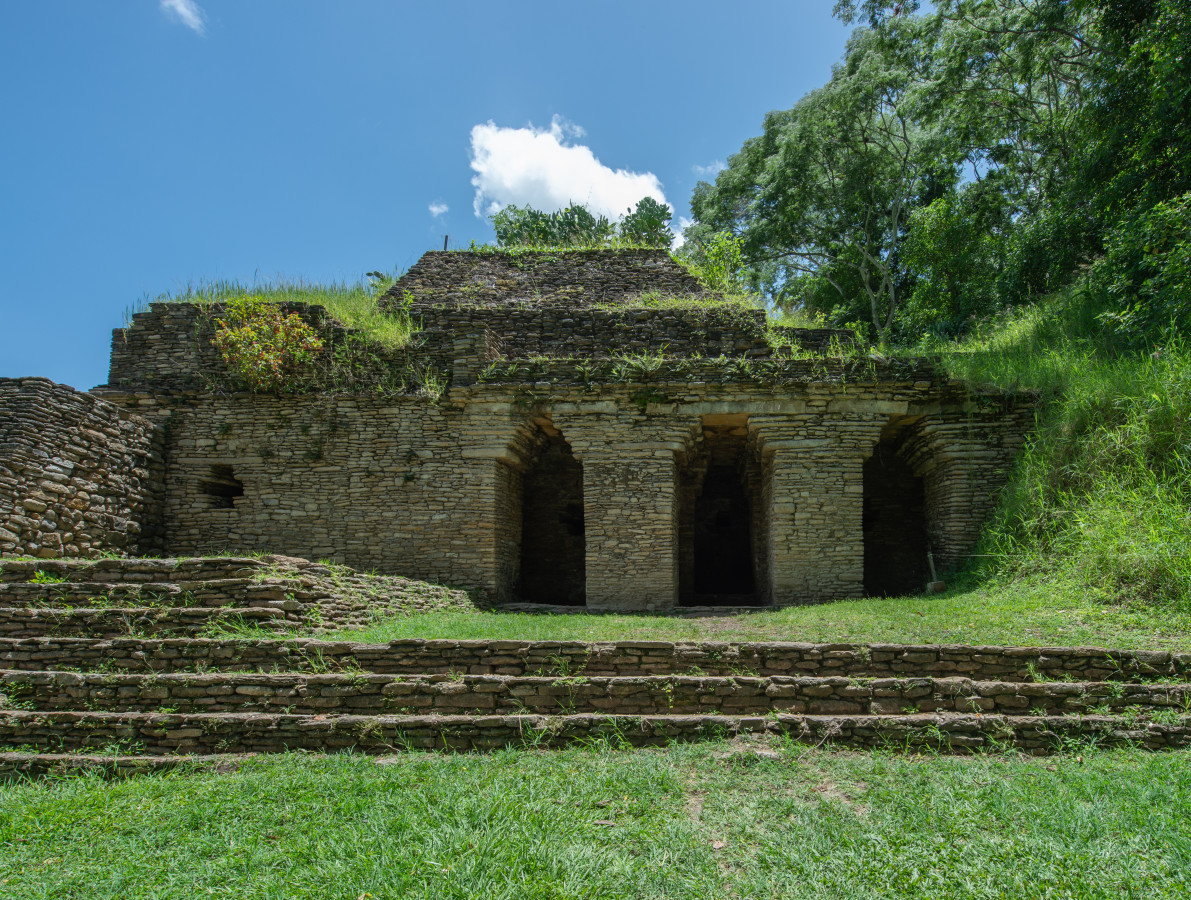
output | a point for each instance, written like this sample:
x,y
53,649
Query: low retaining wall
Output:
x,y
98,624
489,694
262,733
548,658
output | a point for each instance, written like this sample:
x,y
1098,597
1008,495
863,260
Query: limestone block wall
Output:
x,y
398,485
437,491
816,540
963,461
630,497
168,347
78,476
621,658
518,332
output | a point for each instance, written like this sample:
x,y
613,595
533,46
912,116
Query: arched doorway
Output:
x,y
553,550
894,520
721,529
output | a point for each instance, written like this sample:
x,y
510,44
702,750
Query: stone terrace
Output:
x,y
136,702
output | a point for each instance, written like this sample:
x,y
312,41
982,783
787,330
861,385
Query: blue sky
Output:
x,y
151,144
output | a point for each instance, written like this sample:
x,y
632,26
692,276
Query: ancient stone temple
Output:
x,y
577,428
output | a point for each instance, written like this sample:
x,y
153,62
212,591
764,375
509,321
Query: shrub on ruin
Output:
x,y
265,348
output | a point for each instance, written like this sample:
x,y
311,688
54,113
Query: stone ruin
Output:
x,y
603,435
565,429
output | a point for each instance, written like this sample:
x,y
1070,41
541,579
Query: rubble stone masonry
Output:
x,y
78,475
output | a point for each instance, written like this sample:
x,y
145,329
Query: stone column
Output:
x,y
815,500
485,515
630,507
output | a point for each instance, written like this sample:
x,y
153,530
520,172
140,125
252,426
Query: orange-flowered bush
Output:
x,y
265,348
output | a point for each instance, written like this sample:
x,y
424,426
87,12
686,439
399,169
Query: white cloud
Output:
x,y
539,167
710,171
438,209
679,238
187,12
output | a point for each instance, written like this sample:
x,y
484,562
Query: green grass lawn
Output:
x,y
1040,612
689,821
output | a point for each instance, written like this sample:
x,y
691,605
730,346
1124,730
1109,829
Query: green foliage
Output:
x,y
265,348
1103,491
354,305
698,821
974,158
575,227
717,260
820,200
40,577
648,225
570,227
1147,270
378,355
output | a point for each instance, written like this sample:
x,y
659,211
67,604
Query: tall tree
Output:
x,y
823,195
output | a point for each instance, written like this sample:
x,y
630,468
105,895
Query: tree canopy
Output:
x,y
973,158
648,225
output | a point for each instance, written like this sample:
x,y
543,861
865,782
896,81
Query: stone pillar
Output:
x,y
630,507
815,500
486,510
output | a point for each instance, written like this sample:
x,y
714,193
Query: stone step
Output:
x,y
92,594
15,766
206,733
574,658
103,624
137,571
372,694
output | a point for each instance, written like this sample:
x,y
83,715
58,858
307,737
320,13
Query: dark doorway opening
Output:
x,y
720,562
894,522
553,551
222,487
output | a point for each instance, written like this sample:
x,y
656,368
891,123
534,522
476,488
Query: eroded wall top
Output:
x,y
577,278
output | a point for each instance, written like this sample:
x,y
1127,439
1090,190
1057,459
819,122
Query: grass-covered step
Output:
x,y
315,595
364,693
26,622
225,593
205,733
23,765
135,571
576,658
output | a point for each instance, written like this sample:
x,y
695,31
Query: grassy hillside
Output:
x,y
1102,495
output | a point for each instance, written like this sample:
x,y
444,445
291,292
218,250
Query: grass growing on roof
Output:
x,y
353,304
715,820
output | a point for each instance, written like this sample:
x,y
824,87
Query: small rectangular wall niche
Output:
x,y
894,523
720,540
222,487
553,546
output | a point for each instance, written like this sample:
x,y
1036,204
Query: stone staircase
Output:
x,y
109,669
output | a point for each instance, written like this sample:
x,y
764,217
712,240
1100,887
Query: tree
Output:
x,y
648,225
573,226
576,226
933,177
823,196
